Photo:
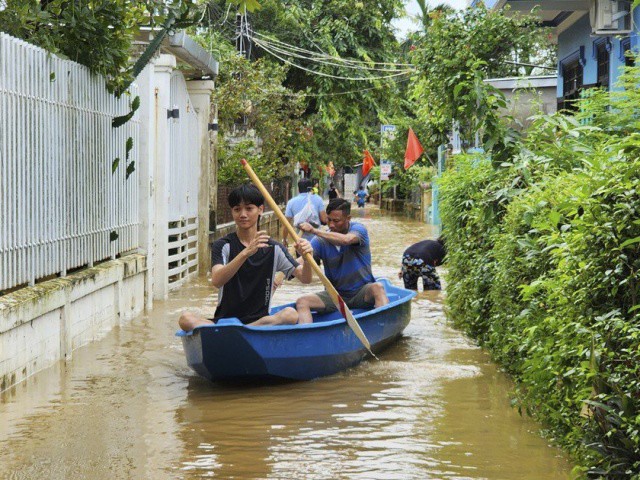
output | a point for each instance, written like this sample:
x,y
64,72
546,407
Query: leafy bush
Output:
x,y
544,262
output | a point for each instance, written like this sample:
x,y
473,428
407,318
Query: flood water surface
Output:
x,y
433,407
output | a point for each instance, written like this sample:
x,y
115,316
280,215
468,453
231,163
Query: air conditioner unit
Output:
x,y
610,17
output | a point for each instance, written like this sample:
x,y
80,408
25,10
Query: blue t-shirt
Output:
x,y
348,267
361,194
297,203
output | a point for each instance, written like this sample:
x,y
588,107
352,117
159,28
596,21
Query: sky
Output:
x,y
406,25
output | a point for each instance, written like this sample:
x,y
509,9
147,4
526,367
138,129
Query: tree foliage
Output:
x,y
456,53
94,33
251,98
344,115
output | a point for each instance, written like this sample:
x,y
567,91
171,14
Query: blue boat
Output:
x,y
229,350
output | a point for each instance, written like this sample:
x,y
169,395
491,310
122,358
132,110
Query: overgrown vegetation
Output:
x,y
330,118
544,262
456,54
94,33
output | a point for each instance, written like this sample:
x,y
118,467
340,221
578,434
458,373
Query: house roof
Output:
x,y
513,83
199,63
557,14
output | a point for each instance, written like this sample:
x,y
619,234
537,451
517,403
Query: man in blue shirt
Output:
x,y
345,252
361,197
298,203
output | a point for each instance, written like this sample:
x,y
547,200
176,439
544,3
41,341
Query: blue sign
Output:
x,y
387,128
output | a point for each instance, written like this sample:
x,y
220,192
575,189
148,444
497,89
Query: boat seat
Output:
x,y
229,321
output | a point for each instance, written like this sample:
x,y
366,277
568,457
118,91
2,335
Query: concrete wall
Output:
x,y
42,324
527,96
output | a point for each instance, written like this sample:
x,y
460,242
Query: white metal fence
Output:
x,y
59,201
184,177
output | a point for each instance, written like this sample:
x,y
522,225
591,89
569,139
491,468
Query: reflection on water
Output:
x,y
128,406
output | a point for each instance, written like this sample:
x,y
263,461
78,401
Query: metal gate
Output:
x,y
184,174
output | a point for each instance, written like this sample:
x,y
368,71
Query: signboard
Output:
x,y
385,169
387,132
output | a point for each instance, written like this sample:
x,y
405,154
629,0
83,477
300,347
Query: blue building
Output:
x,y
592,36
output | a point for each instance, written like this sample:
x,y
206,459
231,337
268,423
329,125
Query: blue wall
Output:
x,y
579,36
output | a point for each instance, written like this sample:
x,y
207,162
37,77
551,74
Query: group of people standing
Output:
x,y
245,262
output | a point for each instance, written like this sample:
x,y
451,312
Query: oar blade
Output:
x,y
353,323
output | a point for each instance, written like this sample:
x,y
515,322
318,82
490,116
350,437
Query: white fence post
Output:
x,y
146,170
200,93
163,67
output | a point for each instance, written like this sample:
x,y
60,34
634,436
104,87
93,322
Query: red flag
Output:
x,y
367,163
414,150
331,170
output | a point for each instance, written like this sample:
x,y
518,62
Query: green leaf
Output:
x,y
114,165
135,104
631,241
129,146
121,120
113,236
130,169
52,77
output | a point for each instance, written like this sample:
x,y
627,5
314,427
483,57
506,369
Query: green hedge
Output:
x,y
543,262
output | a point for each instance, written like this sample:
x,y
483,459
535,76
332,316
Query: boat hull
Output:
x,y
230,350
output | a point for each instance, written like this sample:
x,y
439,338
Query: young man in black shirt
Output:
x,y
244,264
419,261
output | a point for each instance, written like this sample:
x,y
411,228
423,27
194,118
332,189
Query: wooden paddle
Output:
x,y
333,293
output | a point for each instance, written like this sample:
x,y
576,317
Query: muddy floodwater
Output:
x,y
128,406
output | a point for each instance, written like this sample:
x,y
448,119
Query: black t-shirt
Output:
x,y
431,252
247,295
333,193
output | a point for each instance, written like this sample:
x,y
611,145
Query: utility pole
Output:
x,y
243,39
243,46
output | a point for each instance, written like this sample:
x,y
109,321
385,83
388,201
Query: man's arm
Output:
x,y
285,232
221,274
333,238
303,272
324,218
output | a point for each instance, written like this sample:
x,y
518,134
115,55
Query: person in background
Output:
x,y
244,266
361,197
298,203
346,256
333,192
420,261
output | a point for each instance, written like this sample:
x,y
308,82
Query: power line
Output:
x,y
322,74
322,61
325,56
332,94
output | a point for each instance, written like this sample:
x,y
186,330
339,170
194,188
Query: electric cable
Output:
x,y
323,62
322,74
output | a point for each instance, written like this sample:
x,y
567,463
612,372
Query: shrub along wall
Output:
x,y
543,262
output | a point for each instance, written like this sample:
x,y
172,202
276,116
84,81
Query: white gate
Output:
x,y
184,175
350,185
61,207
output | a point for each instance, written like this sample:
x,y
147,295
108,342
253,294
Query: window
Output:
x,y
625,46
571,84
602,57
